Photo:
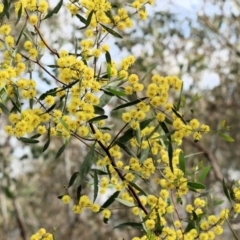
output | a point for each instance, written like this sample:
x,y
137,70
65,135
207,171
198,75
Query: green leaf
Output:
x,y
51,92
88,21
109,71
170,155
143,154
19,15
99,172
226,191
6,8
204,173
36,136
182,162
98,110
87,164
180,98
82,19
196,185
51,108
98,118
79,190
72,179
64,124
189,227
138,188
110,16
170,148
4,109
130,224
226,137
130,103
111,31
46,145
104,100
28,140
223,122
55,10
130,133
179,116
125,203
61,150
110,200
108,58
95,192
116,93
126,149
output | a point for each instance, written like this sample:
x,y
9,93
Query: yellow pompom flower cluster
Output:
x,y
27,122
85,202
32,5
42,234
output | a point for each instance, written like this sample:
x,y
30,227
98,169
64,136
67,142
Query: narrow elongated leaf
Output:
x,y
226,137
79,190
226,191
19,15
125,203
6,8
111,31
102,117
182,162
55,10
130,224
170,155
109,71
116,93
15,107
130,103
95,192
143,154
99,172
178,115
189,227
204,173
126,149
108,58
196,185
28,140
88,21
51,92
46,145
36,136
130,133
104,100
223,122
170,148
51,108
64,124
87,164
82,19
60,151
138,188
4,109
110,200
98,110
72,179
